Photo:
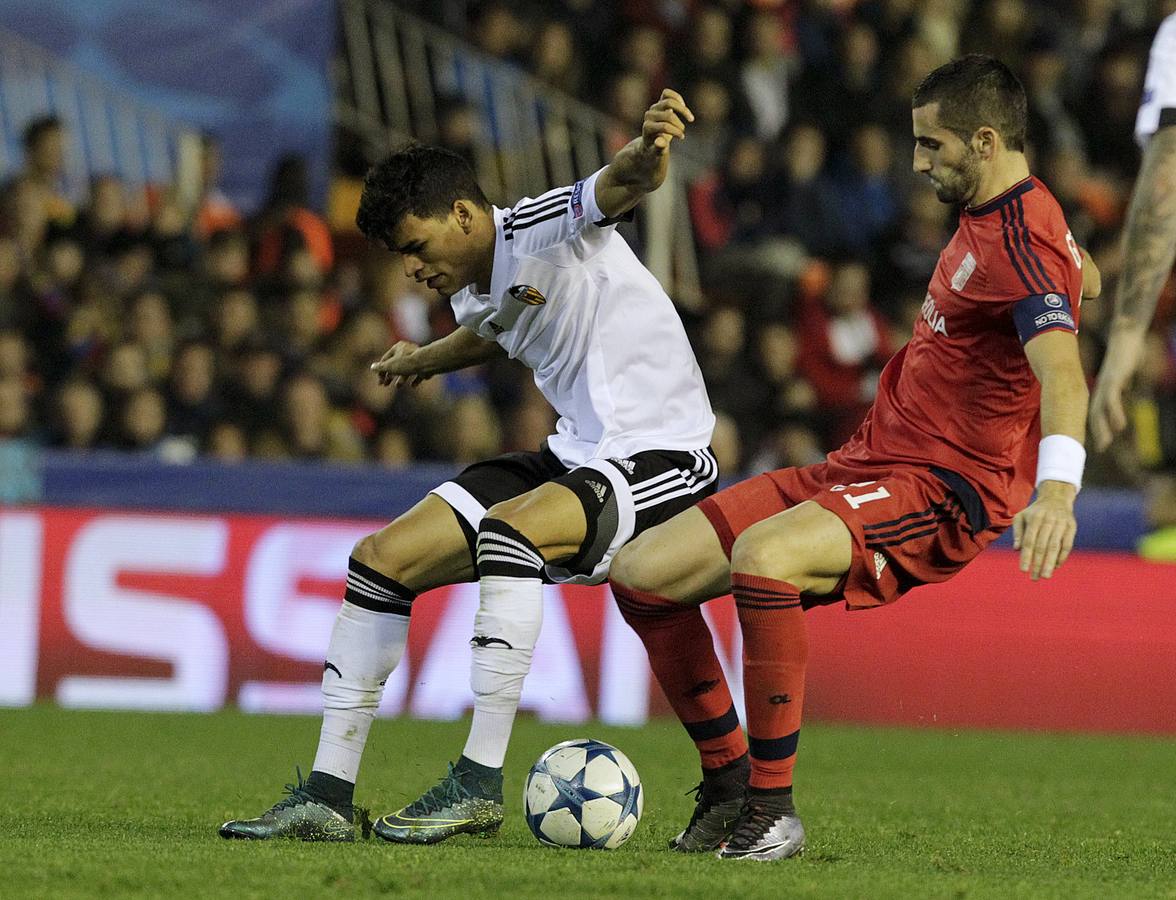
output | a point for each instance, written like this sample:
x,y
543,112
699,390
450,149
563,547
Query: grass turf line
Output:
x,y
104,804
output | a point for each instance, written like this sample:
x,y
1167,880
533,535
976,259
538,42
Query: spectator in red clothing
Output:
x,y
735,204
286,223
844,344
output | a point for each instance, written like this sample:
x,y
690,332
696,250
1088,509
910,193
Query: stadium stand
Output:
x,y
138,319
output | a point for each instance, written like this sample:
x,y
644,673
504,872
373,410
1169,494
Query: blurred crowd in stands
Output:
x,y
130,321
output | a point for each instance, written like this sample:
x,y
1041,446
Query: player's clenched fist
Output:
x,y
1044,531
665,120
399,364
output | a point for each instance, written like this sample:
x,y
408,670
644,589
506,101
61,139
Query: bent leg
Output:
x,y
515,539
803,549
422,549
681,560
659,580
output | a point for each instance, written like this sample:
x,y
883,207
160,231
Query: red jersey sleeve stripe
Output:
x,y
1004,229
1029,245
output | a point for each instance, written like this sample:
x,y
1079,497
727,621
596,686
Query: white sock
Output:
x,y
365,647
511,610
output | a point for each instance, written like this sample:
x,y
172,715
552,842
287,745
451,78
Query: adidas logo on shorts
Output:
x,y
879,564
627,464
598,489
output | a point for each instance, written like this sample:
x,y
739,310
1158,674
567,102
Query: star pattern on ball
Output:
x,y
573,793
567,800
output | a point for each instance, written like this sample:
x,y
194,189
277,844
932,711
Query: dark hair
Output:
x,y
416,180
37,129
976,91
288,182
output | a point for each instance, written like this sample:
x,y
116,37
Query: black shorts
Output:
x,y
621,497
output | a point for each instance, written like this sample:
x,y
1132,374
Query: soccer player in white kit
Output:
x,y
1149,238
548,282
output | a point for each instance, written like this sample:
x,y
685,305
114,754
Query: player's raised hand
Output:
x,y
399,364
664,121
1044,531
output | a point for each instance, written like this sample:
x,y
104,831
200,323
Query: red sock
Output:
x,y
682,656
775,653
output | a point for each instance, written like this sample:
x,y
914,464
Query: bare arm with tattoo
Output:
x,y
1149,250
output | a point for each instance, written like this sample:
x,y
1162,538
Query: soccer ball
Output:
x,y
583,793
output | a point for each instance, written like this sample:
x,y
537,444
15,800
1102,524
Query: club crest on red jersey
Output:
x,y
524,293
964,272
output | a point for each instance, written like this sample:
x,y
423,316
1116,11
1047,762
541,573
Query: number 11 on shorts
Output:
x,y
856,500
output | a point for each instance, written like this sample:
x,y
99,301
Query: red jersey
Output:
x,y
961,395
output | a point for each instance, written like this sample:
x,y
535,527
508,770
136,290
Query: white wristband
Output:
x,y
1060,458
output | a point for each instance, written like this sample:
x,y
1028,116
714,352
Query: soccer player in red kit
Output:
x,y
986,402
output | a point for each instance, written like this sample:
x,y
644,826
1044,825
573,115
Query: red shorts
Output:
x,y
910,525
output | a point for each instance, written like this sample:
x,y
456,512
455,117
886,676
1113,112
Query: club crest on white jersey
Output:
x,y
524,293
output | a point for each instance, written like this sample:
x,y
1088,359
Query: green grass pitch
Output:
x,y
126,804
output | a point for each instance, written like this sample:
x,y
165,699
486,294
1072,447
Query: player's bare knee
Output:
x,y
505,510
511,512
761,550
366,551
382,552
631,569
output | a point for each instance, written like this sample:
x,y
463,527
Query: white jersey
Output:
x,y
1158,107
570,299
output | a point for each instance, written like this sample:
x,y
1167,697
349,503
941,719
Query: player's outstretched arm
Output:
x,y
410,362
1149,244
1044,531
640,166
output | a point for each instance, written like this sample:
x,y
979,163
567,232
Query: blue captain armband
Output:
x,y
1039,313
